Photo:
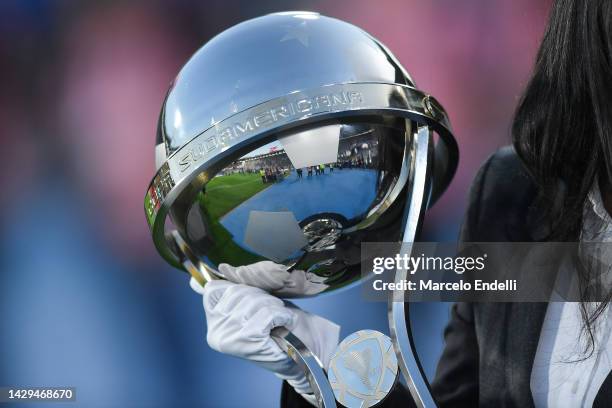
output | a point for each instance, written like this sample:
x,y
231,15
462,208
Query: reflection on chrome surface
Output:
x,y
305,201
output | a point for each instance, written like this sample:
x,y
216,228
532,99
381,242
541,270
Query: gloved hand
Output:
x,y
274,278
240,319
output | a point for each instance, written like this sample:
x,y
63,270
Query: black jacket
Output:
x,y
489,347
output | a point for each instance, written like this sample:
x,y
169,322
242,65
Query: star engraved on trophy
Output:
x,y
298,33
235,95
360,364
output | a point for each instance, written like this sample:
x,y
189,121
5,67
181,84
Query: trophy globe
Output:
x,y
292,138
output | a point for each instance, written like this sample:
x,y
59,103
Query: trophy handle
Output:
x,y
397,308
309,363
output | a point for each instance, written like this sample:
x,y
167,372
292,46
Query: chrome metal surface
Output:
x,y
322,233
363,370
399,322
192,264
309,363
267,57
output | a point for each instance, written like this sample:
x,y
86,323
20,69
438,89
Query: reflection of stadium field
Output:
x,y
223,193
348,192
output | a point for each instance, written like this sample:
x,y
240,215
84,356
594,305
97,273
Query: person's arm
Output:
x,y
456,380
457,377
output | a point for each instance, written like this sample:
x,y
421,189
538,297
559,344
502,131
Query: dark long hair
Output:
x,y
562,129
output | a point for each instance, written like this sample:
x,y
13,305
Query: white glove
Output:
x,y
274,278
240,319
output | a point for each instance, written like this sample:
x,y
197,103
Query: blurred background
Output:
x,y
85,300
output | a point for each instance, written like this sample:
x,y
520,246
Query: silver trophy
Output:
x,y
292,138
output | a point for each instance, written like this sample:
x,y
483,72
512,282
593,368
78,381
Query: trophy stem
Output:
x,y
309,363
397,307
196,268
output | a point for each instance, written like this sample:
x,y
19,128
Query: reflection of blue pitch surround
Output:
x,y
328,192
